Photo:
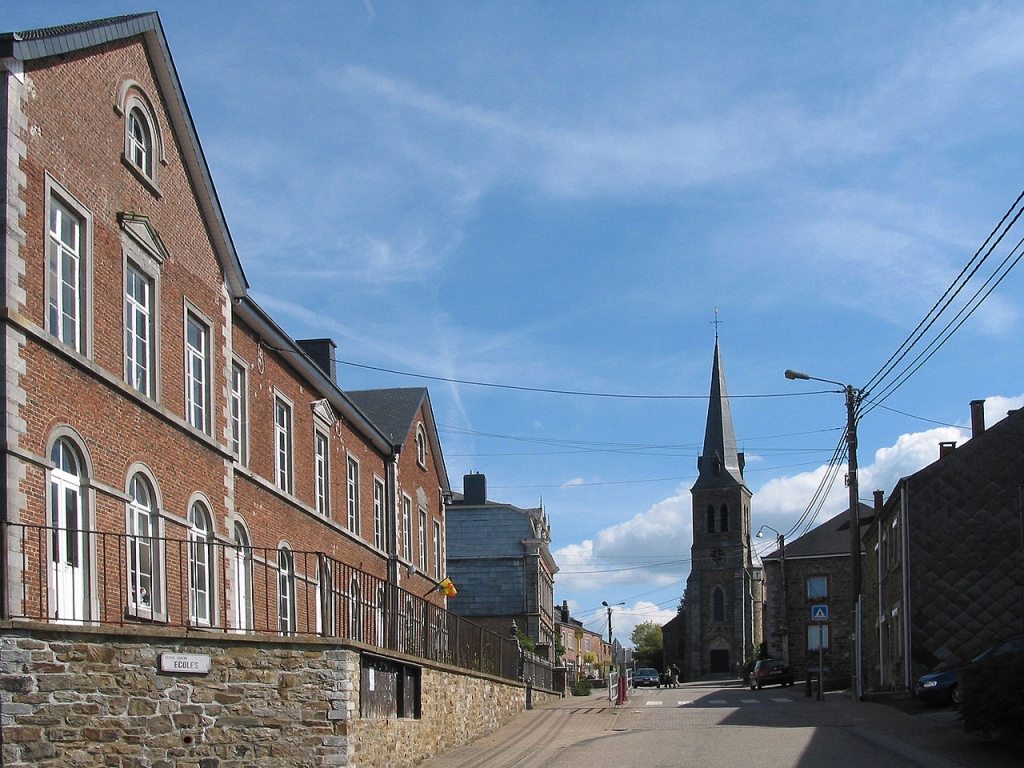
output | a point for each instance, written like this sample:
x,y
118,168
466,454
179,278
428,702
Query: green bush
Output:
x,y
581,688
992,696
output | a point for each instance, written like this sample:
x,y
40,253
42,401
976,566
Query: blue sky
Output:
x,y
558,196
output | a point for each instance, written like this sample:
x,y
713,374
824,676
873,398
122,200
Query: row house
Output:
x,y
944,569
586,652
172,457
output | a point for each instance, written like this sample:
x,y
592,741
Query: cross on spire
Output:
x,y
716,323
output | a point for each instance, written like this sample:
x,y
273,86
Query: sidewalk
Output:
x,y
928,737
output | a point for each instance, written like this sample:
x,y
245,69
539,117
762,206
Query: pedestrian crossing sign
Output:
x,y
819,613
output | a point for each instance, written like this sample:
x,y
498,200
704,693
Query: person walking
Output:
x,y
674,671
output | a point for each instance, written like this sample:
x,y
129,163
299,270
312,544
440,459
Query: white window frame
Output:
x,y
243,575
284,470
69,561
352,484
68,267
322,471
143,150
201,566
407,527
812,637
421,446
145,575
239,411
378,512
817,595
286,613
139,330
437,549
423,539
197,371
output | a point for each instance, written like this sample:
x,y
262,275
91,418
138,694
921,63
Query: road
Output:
x,y
726,726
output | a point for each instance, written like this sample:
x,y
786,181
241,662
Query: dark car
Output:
x,y
646,676
770,672
942,685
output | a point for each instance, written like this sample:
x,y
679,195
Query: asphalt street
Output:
x,y
727,726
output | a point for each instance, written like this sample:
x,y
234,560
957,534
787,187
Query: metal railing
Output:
x,y
112,579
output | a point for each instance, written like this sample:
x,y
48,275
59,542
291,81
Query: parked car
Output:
x,y
770,672
942,684
939,686
646,676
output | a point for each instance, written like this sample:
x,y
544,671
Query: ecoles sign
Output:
x,y
185,663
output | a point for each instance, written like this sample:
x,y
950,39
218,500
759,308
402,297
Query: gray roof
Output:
x,y
719,462
393,411
831,538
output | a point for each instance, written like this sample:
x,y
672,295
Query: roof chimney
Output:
x,y
474,489
321,352
977,417
946,448
879,497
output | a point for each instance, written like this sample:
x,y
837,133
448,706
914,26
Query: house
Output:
x,y
192,502
802,577
500,560
725,589
586,652
944,572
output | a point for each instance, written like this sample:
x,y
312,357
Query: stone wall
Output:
x,y
92,698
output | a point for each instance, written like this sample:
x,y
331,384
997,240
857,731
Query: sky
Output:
x,y
540,210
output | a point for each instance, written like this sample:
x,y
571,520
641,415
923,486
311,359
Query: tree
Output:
x,y
647,643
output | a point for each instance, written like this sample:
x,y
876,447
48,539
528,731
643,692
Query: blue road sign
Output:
x,y
819,613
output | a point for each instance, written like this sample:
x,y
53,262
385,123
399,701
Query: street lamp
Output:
x,y
853,399
609,607
781,540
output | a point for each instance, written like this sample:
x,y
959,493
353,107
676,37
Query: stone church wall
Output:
x,y
92,698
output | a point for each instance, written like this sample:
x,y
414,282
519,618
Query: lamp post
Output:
x,y
609,607
781,541
853,399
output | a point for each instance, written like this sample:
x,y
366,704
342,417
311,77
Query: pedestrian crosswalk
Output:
x,y
715,702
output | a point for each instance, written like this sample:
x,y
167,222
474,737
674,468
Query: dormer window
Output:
x,y
143,146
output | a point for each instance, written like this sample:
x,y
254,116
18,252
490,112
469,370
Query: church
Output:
x,y
725,591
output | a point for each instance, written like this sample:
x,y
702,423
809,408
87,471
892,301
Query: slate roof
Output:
x,y
831,538
719,437
393,411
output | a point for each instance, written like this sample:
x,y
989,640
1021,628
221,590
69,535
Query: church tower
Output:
x,y
724,592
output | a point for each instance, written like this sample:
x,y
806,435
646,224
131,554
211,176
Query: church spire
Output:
x,y
720,464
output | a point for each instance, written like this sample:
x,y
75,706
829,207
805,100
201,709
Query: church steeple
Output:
x,y
720,464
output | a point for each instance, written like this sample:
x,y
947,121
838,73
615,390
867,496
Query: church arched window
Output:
x,y
723,521
711,518
718,605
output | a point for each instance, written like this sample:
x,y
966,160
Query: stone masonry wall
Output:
x,y
88,698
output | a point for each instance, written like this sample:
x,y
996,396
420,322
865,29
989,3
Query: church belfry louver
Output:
x,y
724,592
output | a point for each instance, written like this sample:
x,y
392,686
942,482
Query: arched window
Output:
x,y
144,588
285,592
325,619
723,520
711,518
200,565
243,577
355,610
68,556
421,446
140,141
718,605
